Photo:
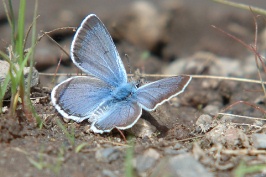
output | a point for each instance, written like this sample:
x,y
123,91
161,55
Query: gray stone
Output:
x,y
34,79
142,128
4,67
259,141
109,173
210,64
186,165
107,154
170,151
146,160
146,25
211,109
177,146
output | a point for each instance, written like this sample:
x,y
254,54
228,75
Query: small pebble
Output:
x,y
107,154
110,173
259,141
170,151
142,129
177,146
211,109
147,160
186,165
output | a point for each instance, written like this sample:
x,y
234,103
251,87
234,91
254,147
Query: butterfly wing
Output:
x,y
94,52
78,97
121,115
156,93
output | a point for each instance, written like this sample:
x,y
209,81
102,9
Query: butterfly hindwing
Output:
x,y
94,52
121,115
78,97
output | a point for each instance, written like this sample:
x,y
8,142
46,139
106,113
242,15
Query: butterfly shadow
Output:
x,y
161,128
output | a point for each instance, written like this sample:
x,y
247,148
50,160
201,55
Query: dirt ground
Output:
x,y
185,136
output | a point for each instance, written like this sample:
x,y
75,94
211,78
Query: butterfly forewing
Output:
x,y
94,52
78,97
156,93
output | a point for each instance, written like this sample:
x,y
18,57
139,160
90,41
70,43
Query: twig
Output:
x,y
245,117
242,6
47,34
161,75
243,152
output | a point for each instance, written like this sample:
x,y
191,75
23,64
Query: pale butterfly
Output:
x,y
105,97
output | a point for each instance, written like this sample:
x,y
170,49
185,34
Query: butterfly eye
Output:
x,y
140,82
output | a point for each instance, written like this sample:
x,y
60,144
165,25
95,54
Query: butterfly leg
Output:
x,y
122,135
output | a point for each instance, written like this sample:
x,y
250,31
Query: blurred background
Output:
x,y
153,33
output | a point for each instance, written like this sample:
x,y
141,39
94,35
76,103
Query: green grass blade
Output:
x,y
5,57
21,26
11,20
80,147
69,136
14,83
3,89
38,165
33,45
33,41
129,172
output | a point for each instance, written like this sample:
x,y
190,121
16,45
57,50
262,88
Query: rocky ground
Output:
x,y
187,136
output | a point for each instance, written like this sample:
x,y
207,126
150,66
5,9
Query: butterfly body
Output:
x,y
105,97
123,92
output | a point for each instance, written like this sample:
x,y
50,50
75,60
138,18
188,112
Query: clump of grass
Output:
x,y
18,59
42,163
69,135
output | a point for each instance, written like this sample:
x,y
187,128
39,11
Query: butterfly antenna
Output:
x,y
128,65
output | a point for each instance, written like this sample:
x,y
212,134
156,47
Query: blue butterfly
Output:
x,y
105,97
